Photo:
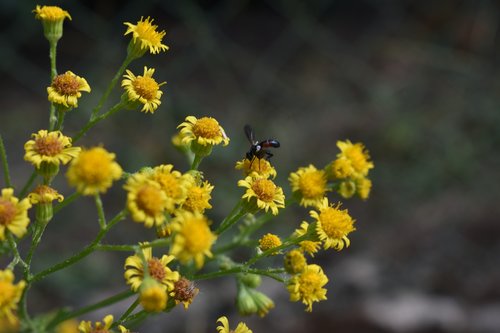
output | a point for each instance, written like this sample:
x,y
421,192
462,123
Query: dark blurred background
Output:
x,y
415,81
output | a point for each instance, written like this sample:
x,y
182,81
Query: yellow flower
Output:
x,y
192,238
357,156
205,131
44,194
50,13
98,327
333,225
347,188
153,296
269,241
307,286
10,294
308,246
10,325
224,328
257,168
143,90
172,183
198,197
157,269
310,184
295,262
145,200
267,195
66,88
145,37
93,171
363,187
67,326
49,147
13,214
341,168
184,292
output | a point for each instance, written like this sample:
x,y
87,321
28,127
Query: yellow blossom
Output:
x,y
145,200
65,89
44,194
153,296
10,325
333,225
341,168
157,269
143,89
205,131
172,183
198,197
68,326
363,187
307,286
257,168
50,13
269,241
13,214
49,147
357,155
93,171
97,327
295,262
308,246
145,37
310,184
10,294
184,292
224,328
266,194
192,238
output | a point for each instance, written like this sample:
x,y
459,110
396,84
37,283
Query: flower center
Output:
x,y
66,84
310,282
313,184
184,290
7,213
207,127
146,87
197,235
196,199
149,200
7,293
335,223
156,269
94,166
169,184
264,189
48,145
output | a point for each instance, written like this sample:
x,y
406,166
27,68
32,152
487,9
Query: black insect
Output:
x,y
259,149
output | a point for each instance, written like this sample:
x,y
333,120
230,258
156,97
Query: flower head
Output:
x,y
93,171
308,246
13,214
192,238
363,187
145,37
65,89
257,168
333,225
310,183
10,294
50,13
224,328
295,262
205,131
356,155
153,296
198,197
143,89
157,269
269,241
145,200
172,183
44,194
184,292
307,286
67,326
97,327
49,147
265,193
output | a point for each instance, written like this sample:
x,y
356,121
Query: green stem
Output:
x,y
132,248
28,184
274,250
110,87
100,211
196,161
60,120
272,273
236,214
135,319
5,164
127,313
96,120
106,302
53,74
82,254
66,201
17,257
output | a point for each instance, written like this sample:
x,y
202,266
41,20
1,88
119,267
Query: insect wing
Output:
x,y
249,133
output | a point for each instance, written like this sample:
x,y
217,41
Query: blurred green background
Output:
x,y
415,81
